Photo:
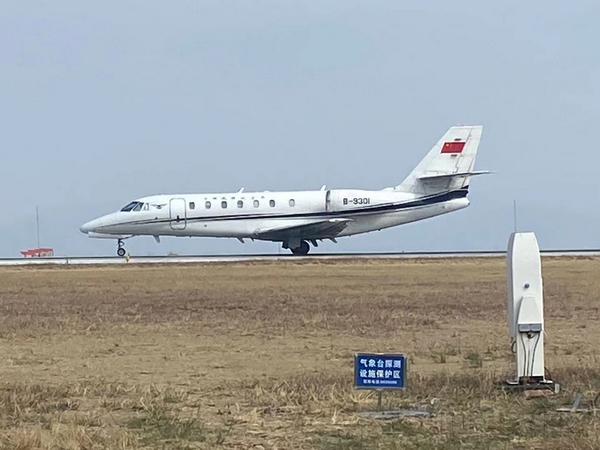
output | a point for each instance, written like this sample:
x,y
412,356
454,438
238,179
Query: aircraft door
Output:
x,y
328,201
177,212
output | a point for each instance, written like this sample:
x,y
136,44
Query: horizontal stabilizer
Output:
x,y
438,176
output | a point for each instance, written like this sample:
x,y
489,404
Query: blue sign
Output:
x,y
379,371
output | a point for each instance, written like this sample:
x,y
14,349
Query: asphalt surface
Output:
x,y
87,260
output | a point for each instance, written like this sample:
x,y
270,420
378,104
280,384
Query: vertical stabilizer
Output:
x,y
448,165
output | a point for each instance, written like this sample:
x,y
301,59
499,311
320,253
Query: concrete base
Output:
x,y
516,386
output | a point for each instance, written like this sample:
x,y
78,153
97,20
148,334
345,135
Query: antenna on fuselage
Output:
x,y
515,223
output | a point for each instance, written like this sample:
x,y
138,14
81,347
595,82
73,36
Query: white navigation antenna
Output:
x,y
526,310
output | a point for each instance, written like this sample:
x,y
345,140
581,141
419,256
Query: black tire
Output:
x,y
302,250
121,252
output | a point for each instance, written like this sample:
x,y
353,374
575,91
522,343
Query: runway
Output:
x,y
204,259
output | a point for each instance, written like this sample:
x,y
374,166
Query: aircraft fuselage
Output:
x,y
252,214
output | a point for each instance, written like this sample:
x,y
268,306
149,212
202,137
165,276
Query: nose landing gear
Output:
x,y
120,248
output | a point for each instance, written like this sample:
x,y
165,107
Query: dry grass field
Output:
x,y
259,356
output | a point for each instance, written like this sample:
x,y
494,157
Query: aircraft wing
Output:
x,y
321,229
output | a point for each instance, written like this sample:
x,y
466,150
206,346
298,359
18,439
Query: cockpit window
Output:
x,y
129,206
133,206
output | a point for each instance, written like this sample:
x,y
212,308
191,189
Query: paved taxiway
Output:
x,y
87,260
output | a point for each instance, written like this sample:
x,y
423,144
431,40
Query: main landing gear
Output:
x,y
301,250
120,248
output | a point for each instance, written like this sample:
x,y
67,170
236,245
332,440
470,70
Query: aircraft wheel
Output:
x,y
302,250
121,252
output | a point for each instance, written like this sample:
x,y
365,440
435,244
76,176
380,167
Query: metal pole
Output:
x,y
37,225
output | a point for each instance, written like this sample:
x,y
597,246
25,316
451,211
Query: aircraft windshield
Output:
x,y
133,206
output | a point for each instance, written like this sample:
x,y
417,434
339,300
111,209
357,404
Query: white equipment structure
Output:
x,y
526,309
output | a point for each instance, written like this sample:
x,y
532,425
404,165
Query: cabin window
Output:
x,y
146,207
272,203
223,204
207,204
292,202
256,203
192,205
240,204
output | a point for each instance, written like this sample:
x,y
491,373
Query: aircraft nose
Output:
x,y
88,226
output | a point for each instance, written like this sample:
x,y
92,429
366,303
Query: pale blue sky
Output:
x,y
104,102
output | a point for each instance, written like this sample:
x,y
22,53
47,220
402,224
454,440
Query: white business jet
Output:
x,y
438,185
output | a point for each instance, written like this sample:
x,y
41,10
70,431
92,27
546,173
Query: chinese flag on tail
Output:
x,y
453,147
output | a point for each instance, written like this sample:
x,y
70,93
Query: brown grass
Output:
x,y
260,355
